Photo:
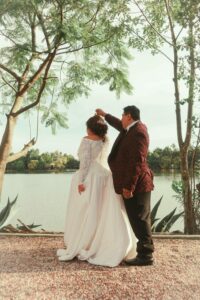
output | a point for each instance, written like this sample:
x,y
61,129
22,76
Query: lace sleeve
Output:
x,y
84,154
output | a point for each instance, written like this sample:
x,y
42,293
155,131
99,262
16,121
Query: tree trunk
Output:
x,y
189,218
16,110
6,146
7,139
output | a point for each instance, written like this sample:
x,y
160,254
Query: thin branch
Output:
x,y
27,68
179,33
95,14
9,84
64,48
86,47
160,35
10,72
21,153
8,37
160,51
3,85
41,21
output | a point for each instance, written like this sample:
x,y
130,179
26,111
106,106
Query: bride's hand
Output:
x,y
81,188
100,112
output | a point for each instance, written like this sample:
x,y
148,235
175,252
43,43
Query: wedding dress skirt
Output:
x,y
97,227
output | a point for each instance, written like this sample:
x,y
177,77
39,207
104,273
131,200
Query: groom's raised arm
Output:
x,y
113,121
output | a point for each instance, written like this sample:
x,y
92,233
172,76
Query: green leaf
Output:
x,y
172,221
4,214
154,211
161,225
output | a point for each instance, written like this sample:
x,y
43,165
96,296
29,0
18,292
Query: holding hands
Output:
x,y
127,194
100,112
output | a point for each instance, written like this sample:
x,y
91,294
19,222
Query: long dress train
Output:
x,y
97,227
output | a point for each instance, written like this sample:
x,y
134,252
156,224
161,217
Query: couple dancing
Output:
x,y
108,213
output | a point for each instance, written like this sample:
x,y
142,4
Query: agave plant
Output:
x,y
28,228
165,224
6,212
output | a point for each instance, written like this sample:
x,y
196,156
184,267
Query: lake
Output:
x,y
42,198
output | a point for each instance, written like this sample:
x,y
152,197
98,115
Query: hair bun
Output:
x,y
98,126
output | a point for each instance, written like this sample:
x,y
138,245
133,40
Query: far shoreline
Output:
x,y
56,171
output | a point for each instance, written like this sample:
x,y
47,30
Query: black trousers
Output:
x,y
138,211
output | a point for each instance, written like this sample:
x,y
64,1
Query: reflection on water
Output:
x,y
43,197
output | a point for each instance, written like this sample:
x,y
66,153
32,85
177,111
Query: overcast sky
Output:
x,y
153,93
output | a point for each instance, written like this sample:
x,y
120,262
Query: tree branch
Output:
x,y
9,84
9,38
160,51
10,72
21,153
85,47
37,74
95,14
176,83
41,21
33,38
179,33
160,35
20,111
64,48
33,35
26,70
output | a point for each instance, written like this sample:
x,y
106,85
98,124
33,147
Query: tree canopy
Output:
x,y
51,52
76,42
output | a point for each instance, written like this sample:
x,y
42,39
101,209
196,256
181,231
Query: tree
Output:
x,y
72,163
50,52
33,164
176,25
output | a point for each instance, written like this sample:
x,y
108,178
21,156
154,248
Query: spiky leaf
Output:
x,y
5,213
161,225
154,211
172,221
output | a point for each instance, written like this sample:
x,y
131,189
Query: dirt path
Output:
x,y
29,269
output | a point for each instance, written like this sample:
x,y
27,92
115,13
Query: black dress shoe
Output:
x,y
137,261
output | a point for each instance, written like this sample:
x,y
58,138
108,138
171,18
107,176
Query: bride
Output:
x,y
96,228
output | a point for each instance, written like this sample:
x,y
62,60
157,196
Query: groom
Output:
x,y
132,177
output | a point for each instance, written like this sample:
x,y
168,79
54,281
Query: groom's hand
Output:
x,y
127,193
100,112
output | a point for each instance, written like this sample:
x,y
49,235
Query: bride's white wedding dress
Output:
x,y
96,228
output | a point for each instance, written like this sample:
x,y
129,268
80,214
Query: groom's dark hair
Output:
x,y
133,111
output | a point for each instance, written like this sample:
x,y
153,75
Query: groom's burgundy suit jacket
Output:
x,y
128,158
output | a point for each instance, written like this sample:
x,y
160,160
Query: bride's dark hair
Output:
x,y
97,125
